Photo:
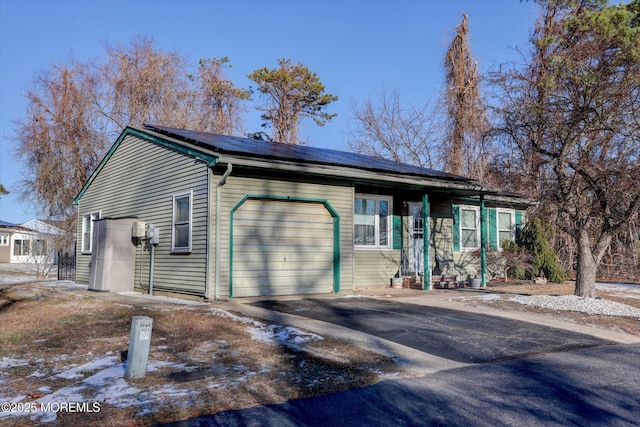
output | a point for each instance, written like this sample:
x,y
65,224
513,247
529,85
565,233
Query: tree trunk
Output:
x,y
586,269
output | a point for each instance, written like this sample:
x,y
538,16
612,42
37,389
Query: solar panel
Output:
x,y
299,153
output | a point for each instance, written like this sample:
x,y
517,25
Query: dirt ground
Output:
x,y
61,345
51,340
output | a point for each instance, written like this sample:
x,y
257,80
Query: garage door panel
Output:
x,y
282,270
280,207
282,248
274,259
262,232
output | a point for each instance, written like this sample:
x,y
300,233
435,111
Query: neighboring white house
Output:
x,y
29,242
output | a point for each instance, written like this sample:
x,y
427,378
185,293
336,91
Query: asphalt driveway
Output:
x,y
455,335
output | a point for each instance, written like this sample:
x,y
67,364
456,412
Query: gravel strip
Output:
x,y
598,306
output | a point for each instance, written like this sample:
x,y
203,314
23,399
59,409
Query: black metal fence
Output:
x,y
66,266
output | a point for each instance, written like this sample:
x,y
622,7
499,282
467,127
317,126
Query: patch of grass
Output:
x,y
225,367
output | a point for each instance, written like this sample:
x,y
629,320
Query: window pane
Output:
x,y
364,235
504,221
469,239
86,232
181,236
468,218
39,247
504,235
364,222
86,241
383,212
182,209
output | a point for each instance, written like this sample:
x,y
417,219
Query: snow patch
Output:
x,y
575,303
282,334
94,365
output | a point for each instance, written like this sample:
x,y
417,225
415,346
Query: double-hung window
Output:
x,y
4,239
87,230
469,227
181,226
372,221
506,225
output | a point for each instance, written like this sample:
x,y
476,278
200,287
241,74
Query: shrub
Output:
x,y
535,240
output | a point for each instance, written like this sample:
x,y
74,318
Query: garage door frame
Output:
x,y
336,232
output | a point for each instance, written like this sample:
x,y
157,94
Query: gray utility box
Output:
x,y
113,256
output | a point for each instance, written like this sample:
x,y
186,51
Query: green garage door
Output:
x,y
282,247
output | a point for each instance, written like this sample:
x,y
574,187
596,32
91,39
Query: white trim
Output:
x,y
4,239
376,221
477,228
512,213
181,249
91,215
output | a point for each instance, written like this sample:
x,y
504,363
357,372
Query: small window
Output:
x,y
372,222
21,247
469,227
181,228
506,226
87,230
39,247
4,240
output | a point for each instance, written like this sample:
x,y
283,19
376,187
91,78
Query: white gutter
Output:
x,y
221,182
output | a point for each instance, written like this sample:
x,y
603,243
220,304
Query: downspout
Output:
x,y
221,182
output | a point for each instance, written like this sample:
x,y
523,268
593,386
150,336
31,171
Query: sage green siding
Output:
x,y
467,263
376,267
237,186
139,179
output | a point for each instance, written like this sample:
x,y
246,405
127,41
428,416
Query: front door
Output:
x,y
414,250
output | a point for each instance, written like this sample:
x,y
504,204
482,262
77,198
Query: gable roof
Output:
x,y
213,148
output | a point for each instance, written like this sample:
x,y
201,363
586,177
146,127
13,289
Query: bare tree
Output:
x,y
467,122
219,105
56,139
577,106
75,109
385,128
291,92
140,83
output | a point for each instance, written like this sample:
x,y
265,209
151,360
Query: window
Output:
x,y
21,247
469,227
372,222
39,247
87,230
181,227
506,225
4,240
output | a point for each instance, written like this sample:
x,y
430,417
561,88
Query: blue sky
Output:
x,y
357,48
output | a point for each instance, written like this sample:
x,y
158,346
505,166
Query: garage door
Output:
x,y
282,247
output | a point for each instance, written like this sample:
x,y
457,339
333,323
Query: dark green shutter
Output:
x,y
397,232
456,228
518,224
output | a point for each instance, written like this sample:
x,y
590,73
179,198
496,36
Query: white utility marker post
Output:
x,y
139,347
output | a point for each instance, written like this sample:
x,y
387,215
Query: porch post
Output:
x,y
483,242
425,239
